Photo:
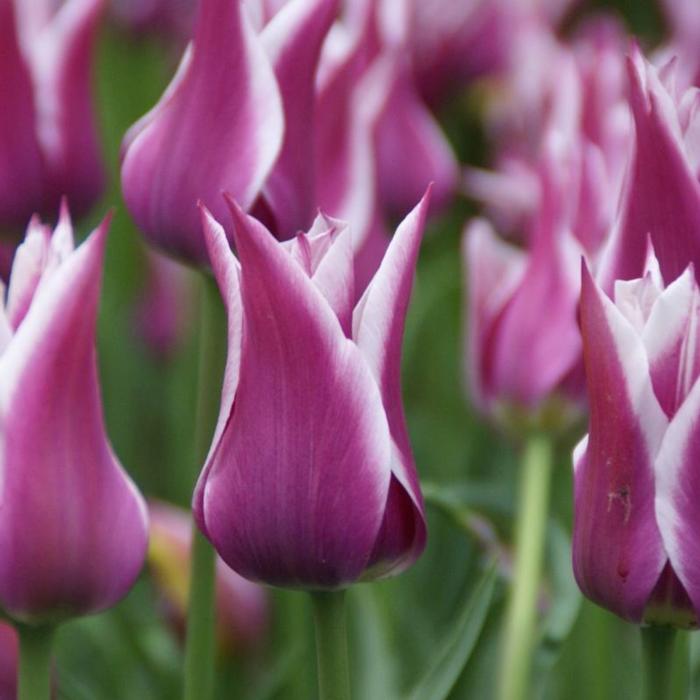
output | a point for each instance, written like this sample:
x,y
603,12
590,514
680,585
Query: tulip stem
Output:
x,y
658,642
199,646
520,632
331,645
34,677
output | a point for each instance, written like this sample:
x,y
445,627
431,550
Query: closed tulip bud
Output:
x,y
635,540
241,606
218,127
49,146
73,527
310,481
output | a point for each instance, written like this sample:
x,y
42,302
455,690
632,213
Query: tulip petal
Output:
x,y
298,484
618,554
378,330
227,273
21,167
76,544
218,128
293,41
677,493
493,270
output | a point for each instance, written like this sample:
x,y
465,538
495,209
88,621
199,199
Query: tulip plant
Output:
x,y
235,412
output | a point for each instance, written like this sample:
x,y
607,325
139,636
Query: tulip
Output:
x,y
635,540
517,361
310,481
49,146
241,605
8,662
662,194
218,126
172,18
73,527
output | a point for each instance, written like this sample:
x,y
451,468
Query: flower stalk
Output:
x,y
331,645
34,677
521,615
199,649
658,643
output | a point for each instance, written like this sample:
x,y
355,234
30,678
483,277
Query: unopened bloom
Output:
x,y
241,605
310,481
636,524
73,527
49,147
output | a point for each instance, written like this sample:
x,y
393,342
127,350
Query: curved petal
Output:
x,y
662,194
618,554
293,41
228,276
21,166
218,128
677,493
67,129
378,326
73,527
297,487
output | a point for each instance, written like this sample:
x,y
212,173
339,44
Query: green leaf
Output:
x,y
452,657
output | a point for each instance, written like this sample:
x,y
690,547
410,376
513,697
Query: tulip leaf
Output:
x,y
452,657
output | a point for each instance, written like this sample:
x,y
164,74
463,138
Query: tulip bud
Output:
x,y
73,527
218,126
310,481
49,146
635,540
241,605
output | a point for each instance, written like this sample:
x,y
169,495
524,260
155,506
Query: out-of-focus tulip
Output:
x,y
310,481
520,361
9,656
164,311
241,605
48,139
219,126
170,18
635,542
73,527
662,193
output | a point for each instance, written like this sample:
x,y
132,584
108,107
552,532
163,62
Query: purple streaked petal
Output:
x,y
618,554
299,481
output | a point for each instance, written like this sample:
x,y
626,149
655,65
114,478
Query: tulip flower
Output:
x,y
518,361
8,662
662,193
310,481
241,605
171,18
48,138
218,126
635,541
73,527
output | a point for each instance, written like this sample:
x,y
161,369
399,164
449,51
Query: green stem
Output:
x,y
521,615
34,677
658,642
199,647
331,645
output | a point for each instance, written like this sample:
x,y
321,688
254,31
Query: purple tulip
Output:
x,y
73,527
219,126
242,606
310,481
9,656
516,359
49,147
635,543
662,193
173,19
